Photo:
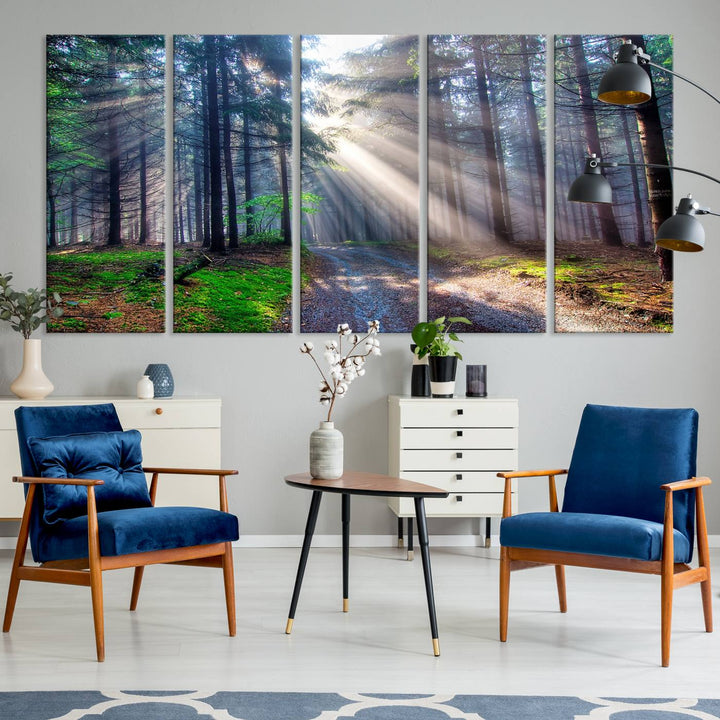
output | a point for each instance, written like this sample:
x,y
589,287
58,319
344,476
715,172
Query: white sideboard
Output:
x,y
458,444
176,432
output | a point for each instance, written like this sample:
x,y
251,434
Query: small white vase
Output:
x,y
326,452
32,383
145,388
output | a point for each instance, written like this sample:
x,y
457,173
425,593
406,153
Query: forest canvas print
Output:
x,y
608,275
359,259
232,195
486,180
105,181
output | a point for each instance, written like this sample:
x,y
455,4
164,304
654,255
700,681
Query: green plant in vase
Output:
x,y
436,340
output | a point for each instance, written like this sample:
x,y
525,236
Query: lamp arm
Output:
x,y
678,75
656,165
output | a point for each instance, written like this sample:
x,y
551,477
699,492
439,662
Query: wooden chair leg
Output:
x,y
560,580
18,560
504,592
704,559
137,581
96,587
667,581
229,578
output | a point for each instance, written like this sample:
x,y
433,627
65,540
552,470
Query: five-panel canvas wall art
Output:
x,y
469,177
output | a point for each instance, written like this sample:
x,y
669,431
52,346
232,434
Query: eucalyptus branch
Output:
x,y
26,311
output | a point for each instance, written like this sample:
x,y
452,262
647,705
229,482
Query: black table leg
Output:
x,y
400,532
410,551
487,532
425,553
309,530
346,548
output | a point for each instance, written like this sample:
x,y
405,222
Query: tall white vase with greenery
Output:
x,y
26,311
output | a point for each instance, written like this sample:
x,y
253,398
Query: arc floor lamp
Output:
x,y
627,83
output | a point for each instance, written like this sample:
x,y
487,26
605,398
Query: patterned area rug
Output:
x,y
188,705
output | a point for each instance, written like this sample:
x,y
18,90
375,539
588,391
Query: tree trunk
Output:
x,y
532,118
247,154
659,180
610,235
227,149
113,160
205,167
217,233
143,234
498,227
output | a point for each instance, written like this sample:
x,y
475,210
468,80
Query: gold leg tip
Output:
x,y
288,627
436,647
410,554
346,605
401,542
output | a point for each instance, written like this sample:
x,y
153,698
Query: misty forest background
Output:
x,y
360,192
231,220
608,275
105,181
360,164
486,180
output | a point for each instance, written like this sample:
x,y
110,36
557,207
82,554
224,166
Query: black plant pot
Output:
x,y
420,378
442,375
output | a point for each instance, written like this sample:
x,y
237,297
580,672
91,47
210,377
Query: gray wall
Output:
x,y
268,388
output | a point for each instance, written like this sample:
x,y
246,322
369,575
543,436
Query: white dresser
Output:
x,y
458,444
176,432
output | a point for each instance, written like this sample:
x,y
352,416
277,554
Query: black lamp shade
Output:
x,y
590,187
625,83
683,231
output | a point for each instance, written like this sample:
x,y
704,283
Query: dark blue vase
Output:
x,y
162,379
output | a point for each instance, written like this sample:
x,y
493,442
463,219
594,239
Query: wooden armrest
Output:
x,y
58,481
686,484
531,473
189,471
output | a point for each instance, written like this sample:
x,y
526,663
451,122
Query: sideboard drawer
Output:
x,y
459,437
459,482
167,413
460,412
455,505
458,460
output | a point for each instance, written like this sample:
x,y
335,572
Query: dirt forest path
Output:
x,y
355,284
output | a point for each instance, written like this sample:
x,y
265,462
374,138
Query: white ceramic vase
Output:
x,y
326,452
145,388
32,383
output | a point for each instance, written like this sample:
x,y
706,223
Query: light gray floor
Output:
x,y
607,644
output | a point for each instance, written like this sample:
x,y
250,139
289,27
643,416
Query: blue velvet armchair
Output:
x,y
632,502
88,509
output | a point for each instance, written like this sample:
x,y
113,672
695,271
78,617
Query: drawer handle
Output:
x,y
459,411
458,455
458,498
458,476
459,433
158,411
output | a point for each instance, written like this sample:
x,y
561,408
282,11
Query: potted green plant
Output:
x,y
435,339
26,311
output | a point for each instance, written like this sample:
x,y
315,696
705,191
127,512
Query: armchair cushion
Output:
x,y
592,534
114,457
137,530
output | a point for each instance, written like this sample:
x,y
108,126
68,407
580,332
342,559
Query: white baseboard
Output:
x,y
332,541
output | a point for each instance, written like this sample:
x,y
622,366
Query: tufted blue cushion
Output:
x,y
592,534
623,454
114,457
138,530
